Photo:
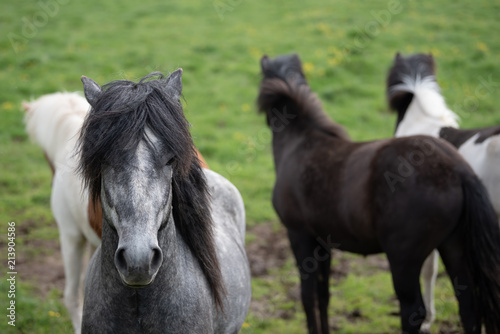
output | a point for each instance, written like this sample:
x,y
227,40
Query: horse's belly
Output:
x,y
345,237
366,247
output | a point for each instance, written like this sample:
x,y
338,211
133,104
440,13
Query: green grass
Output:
x,y
36,316
345,63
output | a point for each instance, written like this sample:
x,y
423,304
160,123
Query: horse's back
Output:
x,y
369,183
53,121
406,165
228,214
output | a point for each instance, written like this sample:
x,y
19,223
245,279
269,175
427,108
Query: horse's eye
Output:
x,y
169,160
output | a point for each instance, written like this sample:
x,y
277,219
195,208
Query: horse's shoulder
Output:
x,y
223,193
219,183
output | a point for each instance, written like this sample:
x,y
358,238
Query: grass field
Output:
x,y
346,47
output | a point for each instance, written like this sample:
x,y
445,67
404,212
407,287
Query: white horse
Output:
x,y
413,92
54,121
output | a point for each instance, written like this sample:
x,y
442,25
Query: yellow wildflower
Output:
x,y
246,107
7,105
54,314
481,46
308,68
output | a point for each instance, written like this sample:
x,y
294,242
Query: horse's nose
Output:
x,y
138,266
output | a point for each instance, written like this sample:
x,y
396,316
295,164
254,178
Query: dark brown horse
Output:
x,y
402,196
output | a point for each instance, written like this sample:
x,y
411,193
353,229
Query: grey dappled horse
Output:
x,y
172,258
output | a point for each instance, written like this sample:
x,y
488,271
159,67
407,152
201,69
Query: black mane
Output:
x,y
284,87
114,128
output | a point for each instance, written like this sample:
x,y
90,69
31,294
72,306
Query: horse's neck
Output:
x,y
286,142
65,139
426,115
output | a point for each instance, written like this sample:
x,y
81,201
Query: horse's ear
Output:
x,y
398,57
264,61
26,106
91,89
296,59
174,83
433,63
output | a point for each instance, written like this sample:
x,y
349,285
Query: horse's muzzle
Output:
x,y
138,267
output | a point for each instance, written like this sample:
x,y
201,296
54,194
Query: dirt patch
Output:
x,y
45,272
41,263
447,327
270,249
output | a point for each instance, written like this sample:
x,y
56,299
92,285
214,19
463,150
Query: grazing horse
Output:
x,y
172,257
413,92
402,196
54,121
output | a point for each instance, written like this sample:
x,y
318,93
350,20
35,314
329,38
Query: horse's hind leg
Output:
x,y
311,262
429,275
452,253
405,277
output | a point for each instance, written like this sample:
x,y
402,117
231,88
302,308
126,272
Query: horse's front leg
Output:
x,y
323,255
72,248
303,246
429,275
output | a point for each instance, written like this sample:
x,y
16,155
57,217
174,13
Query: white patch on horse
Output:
x,y
427,112
484,158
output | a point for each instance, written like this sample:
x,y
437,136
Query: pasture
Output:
x,y
347,48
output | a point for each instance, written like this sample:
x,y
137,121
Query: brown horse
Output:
x,y
401,196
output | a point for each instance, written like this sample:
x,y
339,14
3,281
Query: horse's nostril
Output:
x,y
157,259
120,261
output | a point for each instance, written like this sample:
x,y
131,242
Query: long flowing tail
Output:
x,y
482,238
